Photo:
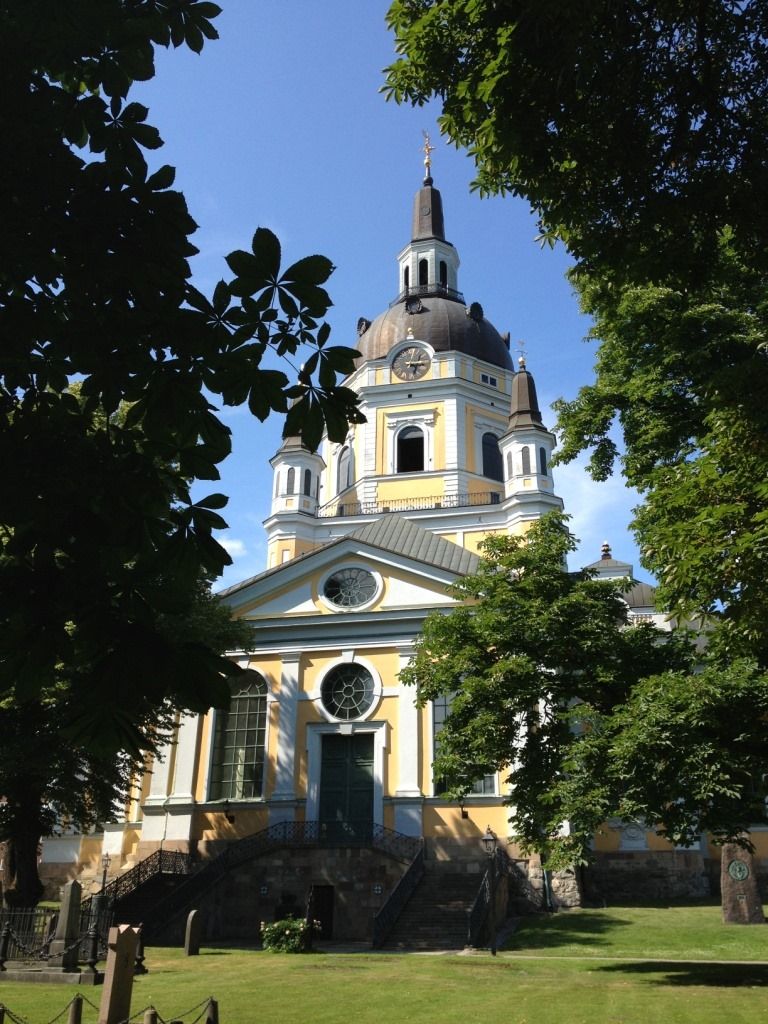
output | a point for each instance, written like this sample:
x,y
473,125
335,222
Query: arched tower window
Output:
x,y
543,461
291,481
509,464
443,273
406,278
308,482
410,450
344,479
526,453
493,467
237,770
423,272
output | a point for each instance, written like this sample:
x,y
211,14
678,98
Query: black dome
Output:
x,y
442,323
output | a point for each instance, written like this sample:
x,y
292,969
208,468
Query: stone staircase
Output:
x,y
435,917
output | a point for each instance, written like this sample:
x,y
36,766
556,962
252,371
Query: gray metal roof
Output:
x,y
390,533
641,595
394,533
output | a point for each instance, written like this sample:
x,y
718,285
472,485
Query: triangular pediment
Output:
x,y
412,567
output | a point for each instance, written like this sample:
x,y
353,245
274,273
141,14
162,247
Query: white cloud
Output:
x,y
233,546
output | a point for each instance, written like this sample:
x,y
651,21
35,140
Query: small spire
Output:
x,y
521,350
428,150
605,550
525,410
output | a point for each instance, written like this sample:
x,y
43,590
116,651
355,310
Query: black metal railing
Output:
x,y
477,915
26,934
29,931
375,508
420,290
386,917
161,862
363,834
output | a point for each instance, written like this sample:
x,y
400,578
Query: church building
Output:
x,y
320,773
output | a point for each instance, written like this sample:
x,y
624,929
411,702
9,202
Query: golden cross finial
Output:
x,y
428,150
521,350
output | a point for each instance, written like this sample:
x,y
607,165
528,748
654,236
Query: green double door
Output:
x,y
346,787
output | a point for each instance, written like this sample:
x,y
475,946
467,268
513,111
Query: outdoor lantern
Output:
x,y
489,841
106,860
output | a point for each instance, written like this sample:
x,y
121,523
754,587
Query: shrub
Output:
x,y
291,935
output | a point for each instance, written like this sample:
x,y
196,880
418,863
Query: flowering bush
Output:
x,y
291,935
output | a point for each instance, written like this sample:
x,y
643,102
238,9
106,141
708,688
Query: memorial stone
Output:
x,y
118,978
64,948
193,933
738,885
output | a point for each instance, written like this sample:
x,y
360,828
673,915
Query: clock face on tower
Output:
x,y
411,363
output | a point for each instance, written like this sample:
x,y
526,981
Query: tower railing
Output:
x,y
419,290
376,508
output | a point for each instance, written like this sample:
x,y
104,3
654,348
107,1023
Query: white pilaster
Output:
x,y
407,737
160,780
285,781
186,757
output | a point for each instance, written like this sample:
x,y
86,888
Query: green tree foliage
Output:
x,y
48,780
685,753
99,537
636,131
532,642
686,371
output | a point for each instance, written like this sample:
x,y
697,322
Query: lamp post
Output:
x,y
106,860
489,845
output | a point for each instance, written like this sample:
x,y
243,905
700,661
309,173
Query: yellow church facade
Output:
x,y
324,753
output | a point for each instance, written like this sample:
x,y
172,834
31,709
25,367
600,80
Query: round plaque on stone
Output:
x,y
738,870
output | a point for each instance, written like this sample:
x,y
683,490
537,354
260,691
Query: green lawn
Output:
x,y
255,987
677,932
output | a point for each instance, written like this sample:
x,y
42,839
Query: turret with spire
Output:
x,y
428,264
527,448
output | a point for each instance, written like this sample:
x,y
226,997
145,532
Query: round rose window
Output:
x,y
349,588
347,691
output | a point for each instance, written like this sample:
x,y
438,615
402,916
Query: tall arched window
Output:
x,y
410,450
423,272
406,278
543,461
291,482
493,467
509,464
526,453
344,475
237,766
308,482
443,273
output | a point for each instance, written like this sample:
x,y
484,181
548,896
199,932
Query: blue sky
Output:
x,y
280,123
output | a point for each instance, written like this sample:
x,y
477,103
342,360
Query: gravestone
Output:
x,y
64,948
738,885
118,978
193,933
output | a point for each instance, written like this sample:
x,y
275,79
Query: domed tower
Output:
x,y
436,383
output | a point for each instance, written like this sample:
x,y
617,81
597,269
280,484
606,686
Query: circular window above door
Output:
x,y
348,691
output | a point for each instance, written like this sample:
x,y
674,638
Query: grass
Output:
x,y
692,932
254,987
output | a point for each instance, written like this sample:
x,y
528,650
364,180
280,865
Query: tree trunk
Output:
x,y
21,883
738,887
